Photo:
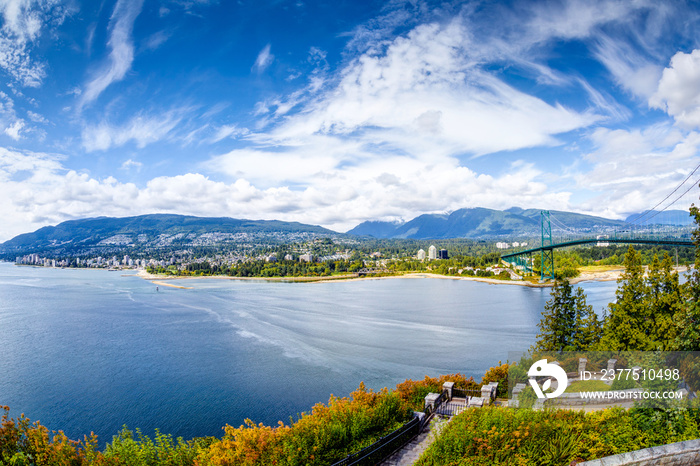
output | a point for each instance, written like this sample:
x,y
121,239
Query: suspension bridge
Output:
x,y
671,225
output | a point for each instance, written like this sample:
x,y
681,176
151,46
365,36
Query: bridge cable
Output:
x,y
561,225
686,192
643,214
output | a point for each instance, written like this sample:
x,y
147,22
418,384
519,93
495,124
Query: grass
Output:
x,y
587,386
599,268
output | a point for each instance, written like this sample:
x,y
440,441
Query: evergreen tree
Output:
x,y
568,323
688,337
665,300
588,328
627,326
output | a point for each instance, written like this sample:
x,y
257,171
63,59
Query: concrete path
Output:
x,y
409,454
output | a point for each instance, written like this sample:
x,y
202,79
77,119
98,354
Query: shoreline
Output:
x,y
163,280
602,276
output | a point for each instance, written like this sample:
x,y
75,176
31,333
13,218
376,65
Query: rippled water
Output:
x,y
91,350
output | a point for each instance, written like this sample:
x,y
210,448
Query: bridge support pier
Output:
x,y
547,253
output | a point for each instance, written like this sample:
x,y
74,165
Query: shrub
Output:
x,y
566,272
328,434
23,443
498,374
140,450
495,436
413,392
503,275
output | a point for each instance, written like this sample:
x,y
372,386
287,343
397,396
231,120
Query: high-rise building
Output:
x,y
420,255
442,254
432,253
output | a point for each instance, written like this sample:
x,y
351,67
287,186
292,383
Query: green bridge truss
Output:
x,y
546,250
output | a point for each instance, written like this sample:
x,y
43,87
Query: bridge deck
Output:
x,y
669,242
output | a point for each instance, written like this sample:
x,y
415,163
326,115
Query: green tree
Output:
x,y
688,337
568,323
665,299
587,328
627,326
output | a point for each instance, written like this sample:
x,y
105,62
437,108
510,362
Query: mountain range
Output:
x,y
483,223
165,230
666,217
159,230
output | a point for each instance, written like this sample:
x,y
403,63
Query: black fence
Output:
x,y
384,447
451,408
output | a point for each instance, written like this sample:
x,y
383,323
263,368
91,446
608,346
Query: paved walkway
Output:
x,y
412,451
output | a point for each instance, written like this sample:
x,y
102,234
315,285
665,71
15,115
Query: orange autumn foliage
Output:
x,y
328,434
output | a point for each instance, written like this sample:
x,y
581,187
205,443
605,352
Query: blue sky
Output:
x,y
333,113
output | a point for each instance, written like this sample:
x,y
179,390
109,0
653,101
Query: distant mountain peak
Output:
x,y
476,223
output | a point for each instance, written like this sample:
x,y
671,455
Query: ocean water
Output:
x,y
91,350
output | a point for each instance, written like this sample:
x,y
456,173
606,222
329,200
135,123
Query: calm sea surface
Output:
x,y
91,350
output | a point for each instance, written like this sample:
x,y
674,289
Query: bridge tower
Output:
x,y
547,253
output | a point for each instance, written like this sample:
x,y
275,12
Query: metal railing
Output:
x,y
385,446
430,410
451,408
463,393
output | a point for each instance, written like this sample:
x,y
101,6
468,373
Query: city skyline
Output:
x,y
333,114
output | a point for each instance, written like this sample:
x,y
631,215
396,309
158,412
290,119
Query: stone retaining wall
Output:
x,y
674,454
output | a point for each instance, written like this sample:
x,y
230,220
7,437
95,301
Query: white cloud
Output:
x,y
573,19
36,118
122,49
14,130
40,191
8,115
423,96
631,69
34,164
131,163
156,40
269,168
142,130
265,59
678,92
635,169
399,119
317,57
23,22
228,131
386,138
20,19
